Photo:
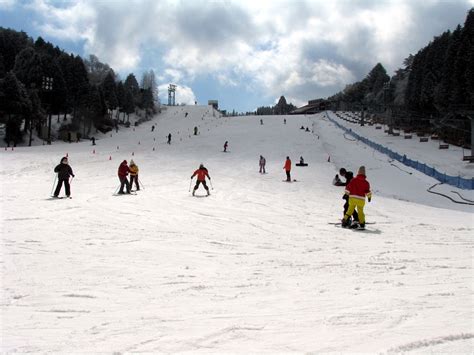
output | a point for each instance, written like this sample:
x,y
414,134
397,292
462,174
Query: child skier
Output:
x,y
348,175
64,171
134,175
287,169
201,178
262,163
357,189
123,171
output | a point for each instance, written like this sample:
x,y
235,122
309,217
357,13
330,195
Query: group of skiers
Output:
x,y
123,171
357,189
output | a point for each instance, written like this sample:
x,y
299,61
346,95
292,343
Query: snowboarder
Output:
x,y
152,128
302,127
287,169
169,138
123,171
201,178
262,163
307,129
64,171
225,146
302,163
348,175
134,175
357,189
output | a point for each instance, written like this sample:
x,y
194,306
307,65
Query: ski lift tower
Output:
x,y
171,95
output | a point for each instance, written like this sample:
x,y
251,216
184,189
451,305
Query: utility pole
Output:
x,y
47,86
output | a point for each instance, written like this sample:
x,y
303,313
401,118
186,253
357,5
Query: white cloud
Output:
x,y
295,48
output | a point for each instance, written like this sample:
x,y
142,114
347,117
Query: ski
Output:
x,y
294,180
124,194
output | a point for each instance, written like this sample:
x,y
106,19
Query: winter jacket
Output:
x,y
64,171
262,161
133,170
123,170
359,187
201,174
348,176
287,166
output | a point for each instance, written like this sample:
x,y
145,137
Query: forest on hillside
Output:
x,y
433,92
39,80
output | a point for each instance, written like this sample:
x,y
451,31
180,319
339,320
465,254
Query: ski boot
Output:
x,y
361,226
354,224
346,223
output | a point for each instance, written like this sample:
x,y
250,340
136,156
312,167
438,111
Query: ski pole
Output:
x,y
141,183
54,183
116,190
210,181
190,183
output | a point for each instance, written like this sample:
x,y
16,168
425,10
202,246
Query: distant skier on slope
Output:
x,y
169,138
287,169
357,189
123,171
201,178
226,144
262,162
134,175
64,171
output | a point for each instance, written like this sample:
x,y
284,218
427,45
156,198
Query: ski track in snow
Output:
x,y
255,267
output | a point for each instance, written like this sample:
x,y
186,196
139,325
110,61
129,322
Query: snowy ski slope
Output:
x,y
255,267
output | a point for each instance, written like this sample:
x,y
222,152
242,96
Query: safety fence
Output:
x,y
457,181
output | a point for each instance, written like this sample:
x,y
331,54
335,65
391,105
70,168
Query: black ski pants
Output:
x,y
288,176
132,179
355,216
66,186
203,184
124,182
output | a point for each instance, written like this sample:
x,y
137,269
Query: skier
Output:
x,y
93,140
302,163
348,175
262,163
185,115
357,189
225,146
337,181
261,122
123,171
152,128
287,169
64,171
284,121
134,175
201,178
195,130
169,138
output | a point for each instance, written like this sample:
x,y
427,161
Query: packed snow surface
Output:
x,y
255,267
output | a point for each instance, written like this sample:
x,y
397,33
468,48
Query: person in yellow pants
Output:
x,y
357,189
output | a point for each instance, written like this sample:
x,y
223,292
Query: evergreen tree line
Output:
x,y
281,108
433,90
38,80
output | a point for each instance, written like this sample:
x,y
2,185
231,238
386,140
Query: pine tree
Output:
x,y
109,90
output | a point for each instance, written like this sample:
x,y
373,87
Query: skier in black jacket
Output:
x,y
64,171
348,175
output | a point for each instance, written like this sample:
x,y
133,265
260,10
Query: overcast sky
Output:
x,y
243,53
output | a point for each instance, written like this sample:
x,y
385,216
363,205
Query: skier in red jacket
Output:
x,y
123,171
287,169
357,189
201,178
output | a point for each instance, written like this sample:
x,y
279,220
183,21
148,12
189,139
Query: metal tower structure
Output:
x,y
171,95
